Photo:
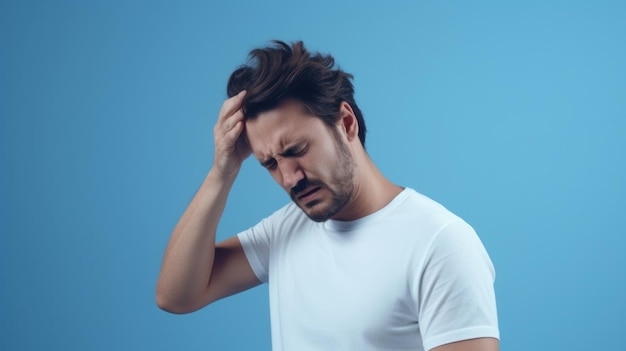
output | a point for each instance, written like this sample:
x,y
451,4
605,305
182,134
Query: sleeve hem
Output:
x,y
460,335
252,257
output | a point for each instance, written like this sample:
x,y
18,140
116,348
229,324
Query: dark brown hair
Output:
x,y
281,71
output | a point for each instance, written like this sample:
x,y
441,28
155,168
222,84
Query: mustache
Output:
x,y
303,184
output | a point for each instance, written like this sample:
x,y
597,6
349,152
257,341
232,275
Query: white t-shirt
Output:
x,y
411,276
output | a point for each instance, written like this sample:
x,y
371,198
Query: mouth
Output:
x,y
306,195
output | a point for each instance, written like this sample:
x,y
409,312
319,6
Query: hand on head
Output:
x,y
231,148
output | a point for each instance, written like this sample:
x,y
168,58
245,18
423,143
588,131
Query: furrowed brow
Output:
x,y
293,149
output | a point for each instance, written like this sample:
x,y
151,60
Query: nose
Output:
x,y
290,172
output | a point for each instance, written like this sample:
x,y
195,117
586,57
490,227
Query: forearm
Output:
x,y
189,256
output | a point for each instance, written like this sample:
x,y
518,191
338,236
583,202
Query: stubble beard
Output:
x,y
341,190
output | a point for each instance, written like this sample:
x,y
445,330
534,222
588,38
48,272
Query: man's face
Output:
x,y
306,157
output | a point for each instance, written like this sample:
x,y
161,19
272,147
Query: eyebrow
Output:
x,y
290,151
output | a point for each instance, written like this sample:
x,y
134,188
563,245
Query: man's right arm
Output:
x,y
195,271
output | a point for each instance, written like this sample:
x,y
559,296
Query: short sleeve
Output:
x,y
456,295
256,245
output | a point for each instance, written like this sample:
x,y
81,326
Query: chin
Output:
x,y
317,217
317,211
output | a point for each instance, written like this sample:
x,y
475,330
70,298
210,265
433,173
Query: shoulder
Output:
x,y
443,226
282,222
286,216
423,212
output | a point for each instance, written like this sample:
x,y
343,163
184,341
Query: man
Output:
x,y
355,262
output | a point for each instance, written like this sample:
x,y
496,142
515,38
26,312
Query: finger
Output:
x,y
229,122
233,134
231,105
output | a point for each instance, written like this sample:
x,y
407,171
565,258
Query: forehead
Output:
x,y
271,131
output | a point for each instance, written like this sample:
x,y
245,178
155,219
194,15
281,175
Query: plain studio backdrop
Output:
x,y
510,114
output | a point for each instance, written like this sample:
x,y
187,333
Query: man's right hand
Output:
x,y
196,271
231,148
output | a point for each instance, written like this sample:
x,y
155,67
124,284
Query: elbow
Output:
x,y
166,304
172,305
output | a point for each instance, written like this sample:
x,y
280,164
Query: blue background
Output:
x,y
510,114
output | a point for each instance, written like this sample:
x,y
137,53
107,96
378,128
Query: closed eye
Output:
x,y
295,151
269,164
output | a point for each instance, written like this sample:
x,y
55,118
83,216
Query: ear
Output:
x,y
347,121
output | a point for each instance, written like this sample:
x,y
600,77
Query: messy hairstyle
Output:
x,y
281,71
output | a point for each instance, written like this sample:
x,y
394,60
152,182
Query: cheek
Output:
x,y
322,163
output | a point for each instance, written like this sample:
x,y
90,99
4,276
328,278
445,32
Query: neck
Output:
x,y
372,191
